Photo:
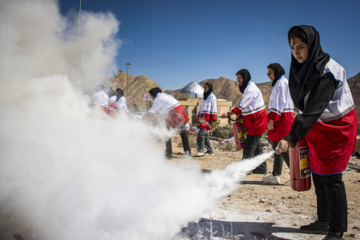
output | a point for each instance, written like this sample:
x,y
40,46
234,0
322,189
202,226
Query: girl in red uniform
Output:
x,y
174,115
327,120
252,110
280,116
206,116
121,101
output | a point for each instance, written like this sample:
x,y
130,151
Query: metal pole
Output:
x,y
79,20
127,81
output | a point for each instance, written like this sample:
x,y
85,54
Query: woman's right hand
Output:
x,y
224,115
197,129
283,146
271,125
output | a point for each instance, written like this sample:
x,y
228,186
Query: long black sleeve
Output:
x,y
319,98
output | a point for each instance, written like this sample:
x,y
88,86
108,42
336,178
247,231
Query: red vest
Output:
x,y
332,139
255,123
332,143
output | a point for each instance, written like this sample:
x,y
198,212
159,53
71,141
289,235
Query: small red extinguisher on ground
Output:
x,y
300,174
238,135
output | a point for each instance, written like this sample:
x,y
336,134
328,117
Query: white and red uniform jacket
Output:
x,y
332,138
121,105
169,109
100,99
252,110
112,99
207,112
281,110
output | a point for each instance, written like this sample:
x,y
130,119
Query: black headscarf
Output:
x,y
304,76
247,77
154,91
278,72
206,94
119,93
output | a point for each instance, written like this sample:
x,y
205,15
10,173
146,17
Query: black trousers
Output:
x,y
331,201
279,160
185,141
252,148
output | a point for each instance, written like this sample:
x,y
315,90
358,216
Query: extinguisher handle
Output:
x,y
229,117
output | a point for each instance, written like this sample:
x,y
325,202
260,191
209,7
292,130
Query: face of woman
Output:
x,y
206,88
299,49
271,74
240,79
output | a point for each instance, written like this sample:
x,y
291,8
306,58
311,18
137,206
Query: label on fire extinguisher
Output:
x,y
304,162
240,134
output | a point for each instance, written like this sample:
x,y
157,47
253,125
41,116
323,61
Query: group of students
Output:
x,y
327,119
257,121
167,108
112,102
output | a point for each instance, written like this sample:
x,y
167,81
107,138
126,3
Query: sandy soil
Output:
x,y
257,210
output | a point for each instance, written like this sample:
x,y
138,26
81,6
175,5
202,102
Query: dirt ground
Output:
x,y
257,210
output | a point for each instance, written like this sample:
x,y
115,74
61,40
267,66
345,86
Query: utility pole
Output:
x,y
79,20
127,81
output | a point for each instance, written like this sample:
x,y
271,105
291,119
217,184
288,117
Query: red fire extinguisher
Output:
x,y
300,174
238,135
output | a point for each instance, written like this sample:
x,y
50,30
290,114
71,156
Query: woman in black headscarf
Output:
x,y
252,110
154,91
275,72
327,120
206,116
121,101
167,108
280,116
246,77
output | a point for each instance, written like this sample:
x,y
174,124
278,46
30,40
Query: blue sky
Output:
x,y
174,42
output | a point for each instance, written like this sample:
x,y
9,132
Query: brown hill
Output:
x,y
138,86
354,84
225,88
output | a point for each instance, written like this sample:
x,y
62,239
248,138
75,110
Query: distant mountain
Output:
x,y
224,88
138,86
354,84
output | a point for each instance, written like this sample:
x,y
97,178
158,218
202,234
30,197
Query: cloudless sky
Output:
x,y
174,42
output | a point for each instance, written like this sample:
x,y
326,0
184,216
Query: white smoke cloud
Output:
x,y
69,172
37,41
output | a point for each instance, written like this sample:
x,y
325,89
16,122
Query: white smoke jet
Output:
x,y
69,172
222,182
